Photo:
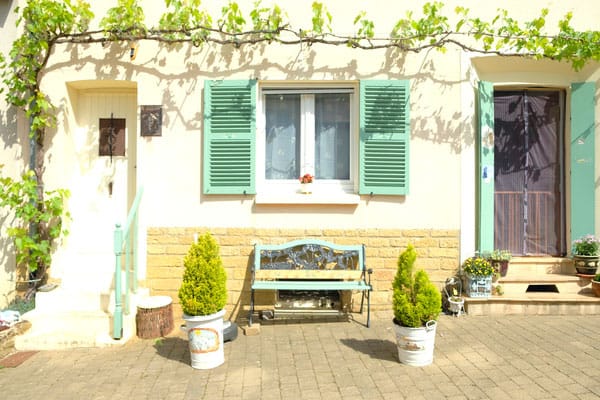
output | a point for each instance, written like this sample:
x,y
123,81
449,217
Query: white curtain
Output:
x,y
332,136
283,136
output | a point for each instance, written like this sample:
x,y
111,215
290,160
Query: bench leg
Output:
x,y
368,308
251,307
362,300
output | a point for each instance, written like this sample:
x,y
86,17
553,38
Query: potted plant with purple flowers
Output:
x,y
586,254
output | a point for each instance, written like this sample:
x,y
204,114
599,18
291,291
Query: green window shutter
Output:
x,y
582,159
384,137
229,137
485,167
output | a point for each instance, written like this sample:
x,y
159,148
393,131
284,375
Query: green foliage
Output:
x,y
498,255
416,300
478,266
424,31
321,20
232,19
266,20
203,290
184,20
366,27
587,245
125,21
30,209
44,23
22,305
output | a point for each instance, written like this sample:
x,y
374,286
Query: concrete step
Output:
x,y
539,286
64,299
562,283
72,329
539,266
67,318
584,303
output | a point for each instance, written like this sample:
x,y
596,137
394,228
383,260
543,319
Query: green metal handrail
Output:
x,y
123,237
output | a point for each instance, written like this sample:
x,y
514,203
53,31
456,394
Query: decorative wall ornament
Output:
x,y
151,120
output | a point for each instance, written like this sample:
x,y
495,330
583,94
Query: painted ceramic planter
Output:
x,y
586,265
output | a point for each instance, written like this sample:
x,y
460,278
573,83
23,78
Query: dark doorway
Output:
x,y
528,173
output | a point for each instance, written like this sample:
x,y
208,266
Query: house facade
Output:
x,y
453,151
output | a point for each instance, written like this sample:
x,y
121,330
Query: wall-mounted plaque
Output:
x,y
151,120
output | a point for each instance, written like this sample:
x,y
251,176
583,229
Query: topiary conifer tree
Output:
x,y
203,290
416,300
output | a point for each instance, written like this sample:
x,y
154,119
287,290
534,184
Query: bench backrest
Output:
x,y
309,259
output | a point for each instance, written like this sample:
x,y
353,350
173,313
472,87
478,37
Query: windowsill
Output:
x,y
316,197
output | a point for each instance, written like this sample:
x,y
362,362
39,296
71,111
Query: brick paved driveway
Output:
x,y
539,357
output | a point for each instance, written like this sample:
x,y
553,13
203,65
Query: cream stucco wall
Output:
x,y
442,107
13,157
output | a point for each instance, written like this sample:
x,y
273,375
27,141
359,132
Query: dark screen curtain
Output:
x,y
527,173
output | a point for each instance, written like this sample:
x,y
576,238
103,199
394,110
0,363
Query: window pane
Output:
x,y
282,160
332,136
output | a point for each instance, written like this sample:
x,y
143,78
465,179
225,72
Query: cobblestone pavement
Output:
x,y
510,357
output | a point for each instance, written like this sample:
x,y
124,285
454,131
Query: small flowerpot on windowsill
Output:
x,y
306,188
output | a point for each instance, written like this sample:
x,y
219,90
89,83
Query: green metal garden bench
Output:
x,y
311,264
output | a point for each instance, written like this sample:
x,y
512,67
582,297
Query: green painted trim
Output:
x,y
583,149
384,137
485,168
122,238
229,142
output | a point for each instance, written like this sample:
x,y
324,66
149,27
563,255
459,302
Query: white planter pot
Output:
x,y
306,188
205,336
456,304
415,345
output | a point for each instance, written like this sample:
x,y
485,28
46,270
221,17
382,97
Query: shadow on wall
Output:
x,y
11,152
8,270
5,9
189,66
8,127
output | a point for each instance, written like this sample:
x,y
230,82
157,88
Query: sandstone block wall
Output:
x,y
438,254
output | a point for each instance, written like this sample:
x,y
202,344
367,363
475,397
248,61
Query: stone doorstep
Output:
x,y
15,359
535,304
7,337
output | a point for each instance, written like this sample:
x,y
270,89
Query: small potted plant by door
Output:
x,y
586,254
417,304
499,260
478,273
203,295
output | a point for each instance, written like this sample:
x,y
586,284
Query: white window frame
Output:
x,y
330,191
